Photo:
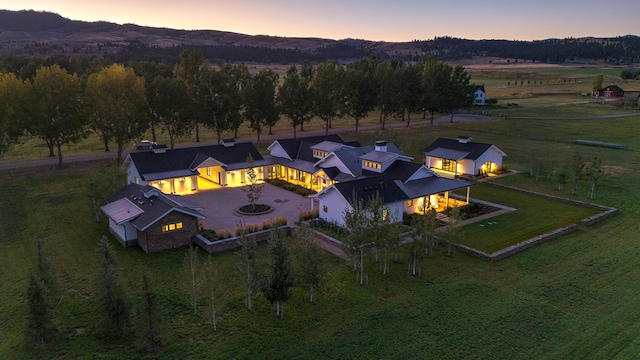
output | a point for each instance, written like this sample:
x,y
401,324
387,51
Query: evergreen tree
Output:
x,y
112,298
149,335
41,294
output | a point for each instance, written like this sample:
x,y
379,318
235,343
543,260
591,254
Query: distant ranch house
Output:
x,y
479,96
462,156
144,216
611,91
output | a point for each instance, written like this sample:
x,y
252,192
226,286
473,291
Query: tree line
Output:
x,y
624,49
65,103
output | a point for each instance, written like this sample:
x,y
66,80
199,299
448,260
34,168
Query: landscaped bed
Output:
x,y
533,216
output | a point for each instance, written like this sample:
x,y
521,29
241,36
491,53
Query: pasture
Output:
x,y
574,297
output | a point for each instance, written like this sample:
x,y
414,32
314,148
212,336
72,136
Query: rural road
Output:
x,y
52,161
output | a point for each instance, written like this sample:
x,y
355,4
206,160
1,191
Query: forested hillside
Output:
x,y
31,33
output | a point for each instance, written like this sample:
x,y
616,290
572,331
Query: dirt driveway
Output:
x,y
220,206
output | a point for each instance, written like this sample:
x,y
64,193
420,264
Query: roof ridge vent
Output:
x,y
463,139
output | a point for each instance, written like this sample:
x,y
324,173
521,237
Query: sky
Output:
x,y
377,20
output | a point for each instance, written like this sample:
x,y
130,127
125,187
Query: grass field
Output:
x,y
574,297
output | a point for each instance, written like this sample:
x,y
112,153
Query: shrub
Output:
x,y
279,221
224,234
247,229
308,215
266,224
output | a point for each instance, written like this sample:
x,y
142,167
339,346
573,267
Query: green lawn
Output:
x,y
533,216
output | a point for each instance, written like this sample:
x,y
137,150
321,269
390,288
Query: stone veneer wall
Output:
x,y
605,213
153,239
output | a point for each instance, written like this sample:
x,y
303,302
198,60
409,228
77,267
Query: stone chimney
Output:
x,y
381,145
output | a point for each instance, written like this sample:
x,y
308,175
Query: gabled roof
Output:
x,y
452,149
182,159
143,207
367,188
399,170
431,185
614,87
293,146
480,87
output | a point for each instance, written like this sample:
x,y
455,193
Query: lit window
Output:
x,y
410,203
325,208
172,227
385,214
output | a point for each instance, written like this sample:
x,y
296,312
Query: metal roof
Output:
x,y
379,156
121,211
169,174
431,185
449,154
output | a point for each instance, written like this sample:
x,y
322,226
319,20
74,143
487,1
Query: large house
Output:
x,y
462,156
611,91
144,216
326,164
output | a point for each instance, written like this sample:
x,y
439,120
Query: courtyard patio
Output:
x,y
221,205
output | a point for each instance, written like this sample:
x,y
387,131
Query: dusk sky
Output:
x,y
399,20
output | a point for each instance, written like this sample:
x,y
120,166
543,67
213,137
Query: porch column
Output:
x,y
468,192
311,203
446,199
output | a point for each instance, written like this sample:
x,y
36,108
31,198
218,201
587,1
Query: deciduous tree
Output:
x,y
360,91
169,103
326,91
309,268
117,105
248,259
12,110
294,99
260,101
55,109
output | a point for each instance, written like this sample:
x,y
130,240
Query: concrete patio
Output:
x,y
221,205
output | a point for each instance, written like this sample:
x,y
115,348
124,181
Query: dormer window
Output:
x,y
319,154
372,165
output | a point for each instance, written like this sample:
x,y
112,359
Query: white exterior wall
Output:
x,y
492,156
277,150
467,167
335,205
125,231
332,161
133,174
479,98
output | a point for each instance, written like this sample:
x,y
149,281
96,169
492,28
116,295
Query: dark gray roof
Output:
x,y
475,149
367,188
183,158
292,146
431,185
399,170
449,154
152,203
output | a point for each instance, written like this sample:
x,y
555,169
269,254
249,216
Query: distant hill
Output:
x,y
32,33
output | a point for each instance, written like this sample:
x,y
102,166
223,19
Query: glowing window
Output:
x,y
410,203
325,208
172,227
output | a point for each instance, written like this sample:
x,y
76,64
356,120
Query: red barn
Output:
x,y
611,91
